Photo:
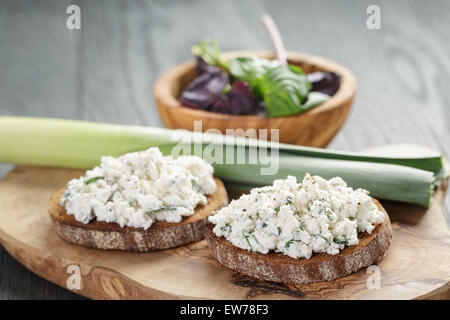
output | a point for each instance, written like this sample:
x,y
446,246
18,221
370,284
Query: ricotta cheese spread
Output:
x,y
298,220
139,188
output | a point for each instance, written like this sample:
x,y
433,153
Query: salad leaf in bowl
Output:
x,y
275,89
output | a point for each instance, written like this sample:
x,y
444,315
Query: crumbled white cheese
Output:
x,y
140,188
298,220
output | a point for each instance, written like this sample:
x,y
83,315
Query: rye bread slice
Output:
x,y
320,267
161,235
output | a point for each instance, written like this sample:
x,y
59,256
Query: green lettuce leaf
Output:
x,y
251,69
284,90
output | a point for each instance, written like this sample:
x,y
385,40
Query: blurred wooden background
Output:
x,y
105,71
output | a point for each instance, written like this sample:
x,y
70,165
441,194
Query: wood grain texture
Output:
x,y
314,128
106,71
416,264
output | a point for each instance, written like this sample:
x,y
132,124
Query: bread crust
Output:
x,y
320,267
110,236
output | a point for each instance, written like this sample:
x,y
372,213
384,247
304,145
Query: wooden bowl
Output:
x,y
315,128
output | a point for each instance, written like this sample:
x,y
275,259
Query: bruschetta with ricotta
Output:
x,y
140,201
313,231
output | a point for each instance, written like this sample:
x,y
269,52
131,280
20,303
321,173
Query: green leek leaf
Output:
x,y
80,144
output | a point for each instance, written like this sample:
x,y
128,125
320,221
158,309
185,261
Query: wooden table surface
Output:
x,y
106,71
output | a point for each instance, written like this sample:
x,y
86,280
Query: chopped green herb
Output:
x,y
94,179
111,196
328,241
277,209
264,225
245,234
196,186
254,238
341,241
113,181
226,227
302,225
288,244
171,208
351,218
279,230
289,200
133,203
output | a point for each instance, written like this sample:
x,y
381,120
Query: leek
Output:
x,y
80,144
385,181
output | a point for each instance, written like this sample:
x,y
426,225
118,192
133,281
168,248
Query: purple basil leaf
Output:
x,y
241,98
221,105
325,82
204,90
202,67
238,100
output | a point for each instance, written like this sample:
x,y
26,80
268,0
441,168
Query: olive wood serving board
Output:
x,y
417,264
